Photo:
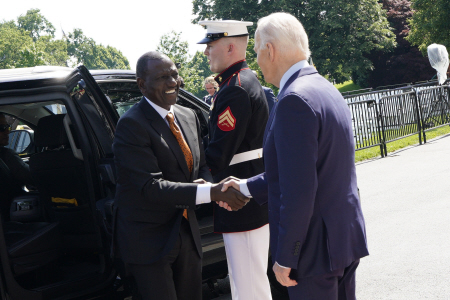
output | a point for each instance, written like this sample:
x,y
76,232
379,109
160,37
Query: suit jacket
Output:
x,y
207,99
270,97
154,183
316,222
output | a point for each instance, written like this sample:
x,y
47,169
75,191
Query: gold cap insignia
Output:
x,y
220,78
225,34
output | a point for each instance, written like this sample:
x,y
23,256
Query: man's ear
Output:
x,y
271,51
140,83
231,48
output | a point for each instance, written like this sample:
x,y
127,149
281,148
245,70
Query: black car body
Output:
x,y
62,250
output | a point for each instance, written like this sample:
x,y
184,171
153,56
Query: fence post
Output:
x,y
383,133
378,117
419,119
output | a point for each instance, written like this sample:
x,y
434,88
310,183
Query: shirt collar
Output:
x,y
161,111
296,67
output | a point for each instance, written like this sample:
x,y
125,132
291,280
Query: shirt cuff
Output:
x,y
203,194
282,266
244,188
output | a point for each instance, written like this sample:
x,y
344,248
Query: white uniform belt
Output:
x,y
246,156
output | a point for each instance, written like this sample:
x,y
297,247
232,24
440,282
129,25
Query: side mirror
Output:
x,y
21,141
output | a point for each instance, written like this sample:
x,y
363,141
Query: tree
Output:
x,y
84,50
31,42
36,24
341,32
430,23
251,62
405,63
190,69
16,47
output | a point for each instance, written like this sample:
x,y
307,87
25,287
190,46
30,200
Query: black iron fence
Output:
x,y
383,116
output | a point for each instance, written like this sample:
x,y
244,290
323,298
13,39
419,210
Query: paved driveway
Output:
x,y
406,202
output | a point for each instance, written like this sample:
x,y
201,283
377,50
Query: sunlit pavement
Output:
x,y
406,203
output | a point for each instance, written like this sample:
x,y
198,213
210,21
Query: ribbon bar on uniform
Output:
x,y
246,156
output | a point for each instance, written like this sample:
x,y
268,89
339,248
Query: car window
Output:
x,y
57,109
123,95
12,139
23,141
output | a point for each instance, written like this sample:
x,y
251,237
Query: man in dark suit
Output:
x,y
159,155
317,229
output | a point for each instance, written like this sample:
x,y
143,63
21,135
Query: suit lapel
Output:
x,y
160,126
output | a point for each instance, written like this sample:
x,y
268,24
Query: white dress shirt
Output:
x,y
203,190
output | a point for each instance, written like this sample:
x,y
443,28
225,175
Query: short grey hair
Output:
x,y
284,31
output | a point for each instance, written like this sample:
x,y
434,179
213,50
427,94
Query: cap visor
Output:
x,y
206,40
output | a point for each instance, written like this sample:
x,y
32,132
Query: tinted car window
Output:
x,y
12,138
23,141
123,95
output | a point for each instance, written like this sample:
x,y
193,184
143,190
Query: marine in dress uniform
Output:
x,y
237,120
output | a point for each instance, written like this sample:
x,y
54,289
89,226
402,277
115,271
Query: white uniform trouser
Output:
x,y
247,257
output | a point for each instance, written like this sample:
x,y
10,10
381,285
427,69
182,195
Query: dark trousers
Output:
x,y
176,276
336,285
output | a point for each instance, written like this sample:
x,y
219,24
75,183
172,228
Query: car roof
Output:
x,y
55,72
34,73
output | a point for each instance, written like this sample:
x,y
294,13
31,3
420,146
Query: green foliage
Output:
x,y
35,24
340,32
405,63
347,86
86,51
31,42
251,61
373,152
430,23
191,68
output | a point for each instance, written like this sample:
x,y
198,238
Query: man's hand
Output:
x,y
229,178
200,180
234,199
230,182
282,275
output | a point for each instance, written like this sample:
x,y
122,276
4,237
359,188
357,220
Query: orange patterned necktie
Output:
x,y
183,145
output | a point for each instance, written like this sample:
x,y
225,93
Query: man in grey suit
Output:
x,y
317,229
159,159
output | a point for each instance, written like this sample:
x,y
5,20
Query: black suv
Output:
x,y
55,242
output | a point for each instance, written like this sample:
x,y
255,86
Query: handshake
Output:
x,y
226,193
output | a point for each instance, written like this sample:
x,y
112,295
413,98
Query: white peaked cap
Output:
x,y
438,57
219,29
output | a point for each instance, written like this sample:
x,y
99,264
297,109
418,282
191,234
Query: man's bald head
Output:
x,y
141,65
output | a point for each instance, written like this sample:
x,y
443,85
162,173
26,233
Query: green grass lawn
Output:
x,y
399,144
347,86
